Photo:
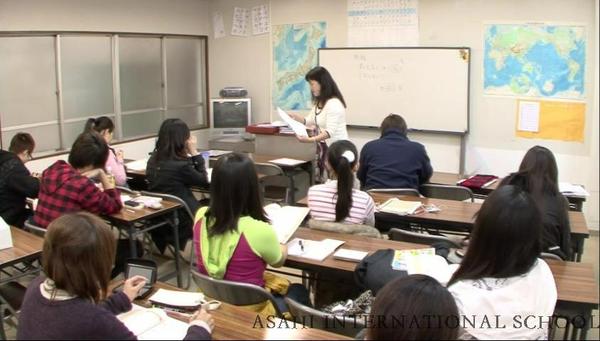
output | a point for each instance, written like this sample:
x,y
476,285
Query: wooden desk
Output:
x,y
236,323
575,282
138,221
444,178
26,247
459,216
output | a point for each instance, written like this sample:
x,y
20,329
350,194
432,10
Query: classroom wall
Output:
x,y
491,143
136,16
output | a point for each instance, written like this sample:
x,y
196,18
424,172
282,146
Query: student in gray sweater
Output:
x,y
72,302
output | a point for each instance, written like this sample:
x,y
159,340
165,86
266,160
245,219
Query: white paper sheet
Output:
x,y
287,162
298,128
218,25
239,25
138,165
285,220
312,249
573,190
529,116
260,20
177,298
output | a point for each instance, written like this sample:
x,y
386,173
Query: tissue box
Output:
x,y
5,235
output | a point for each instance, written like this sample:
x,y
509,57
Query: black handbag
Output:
x,y
375,271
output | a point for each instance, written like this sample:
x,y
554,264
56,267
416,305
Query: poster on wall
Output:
x,y
373,23
218,25
260,20
239,24
295,48
534,60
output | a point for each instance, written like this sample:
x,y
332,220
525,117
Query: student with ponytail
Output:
x,y
337,200
114,164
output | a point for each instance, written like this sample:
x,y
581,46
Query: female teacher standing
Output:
x,y
328,114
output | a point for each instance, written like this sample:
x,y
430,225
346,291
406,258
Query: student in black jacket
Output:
x,y
174,167
16,183
393,161
538,176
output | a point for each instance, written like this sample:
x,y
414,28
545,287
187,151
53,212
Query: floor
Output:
x,y
590,255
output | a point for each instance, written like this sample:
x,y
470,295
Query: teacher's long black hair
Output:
x,y
329,88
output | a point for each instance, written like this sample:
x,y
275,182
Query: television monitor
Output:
x,y
230,116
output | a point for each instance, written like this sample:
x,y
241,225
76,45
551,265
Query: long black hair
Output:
x,y
342,156
506,237
234,193
172,137
329,88
414,298
99,124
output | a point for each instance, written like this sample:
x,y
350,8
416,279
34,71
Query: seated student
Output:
x,y
68,187
501,274
337,200
426,309
174,167
232,238
73,302
114,164
393,161
16,183
538,176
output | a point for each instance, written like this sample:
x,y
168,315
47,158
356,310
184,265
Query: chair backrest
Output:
x,y
548,255
171,198
396,191
33,228
126,190
233,292
268,169
274,176
418,238
344,325
448,192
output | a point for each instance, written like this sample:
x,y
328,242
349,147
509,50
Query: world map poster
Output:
x,y
534,60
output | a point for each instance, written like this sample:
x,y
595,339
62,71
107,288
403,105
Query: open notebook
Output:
x,y
138,165
424,262
285,219
400,207
153,324
313,249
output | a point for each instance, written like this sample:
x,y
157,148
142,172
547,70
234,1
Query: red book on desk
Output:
x,y
478,181
262,128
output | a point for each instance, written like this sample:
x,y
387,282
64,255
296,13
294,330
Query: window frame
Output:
x,y
118,112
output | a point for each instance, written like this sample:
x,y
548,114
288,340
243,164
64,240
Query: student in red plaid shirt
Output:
x,y
68,187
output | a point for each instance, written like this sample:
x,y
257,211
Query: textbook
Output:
x,y
153,324
285,220
400,207
313,249
423,262
478,181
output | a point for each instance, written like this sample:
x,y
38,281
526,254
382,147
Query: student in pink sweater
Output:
x,y
114,164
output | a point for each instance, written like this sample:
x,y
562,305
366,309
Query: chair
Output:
x,y
272,189
233,292
449,192
33,228
11,299
419,238
396,191
551,256
345,325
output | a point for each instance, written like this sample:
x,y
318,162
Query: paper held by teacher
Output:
x,y
298,128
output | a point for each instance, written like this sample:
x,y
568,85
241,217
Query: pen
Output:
x,y
301,245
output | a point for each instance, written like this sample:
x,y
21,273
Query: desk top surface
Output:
x,y
236,323
575,282
25,245
129,215
464,212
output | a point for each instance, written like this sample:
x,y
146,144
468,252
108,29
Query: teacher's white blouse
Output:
x,y
331,119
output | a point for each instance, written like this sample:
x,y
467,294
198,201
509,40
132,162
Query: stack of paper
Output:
x,y
179,299
153,324
299,128
312,249
285,220
350,255
572,190
287,162
400,207
139,165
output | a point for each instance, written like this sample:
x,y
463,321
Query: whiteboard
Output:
x,y
429,87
